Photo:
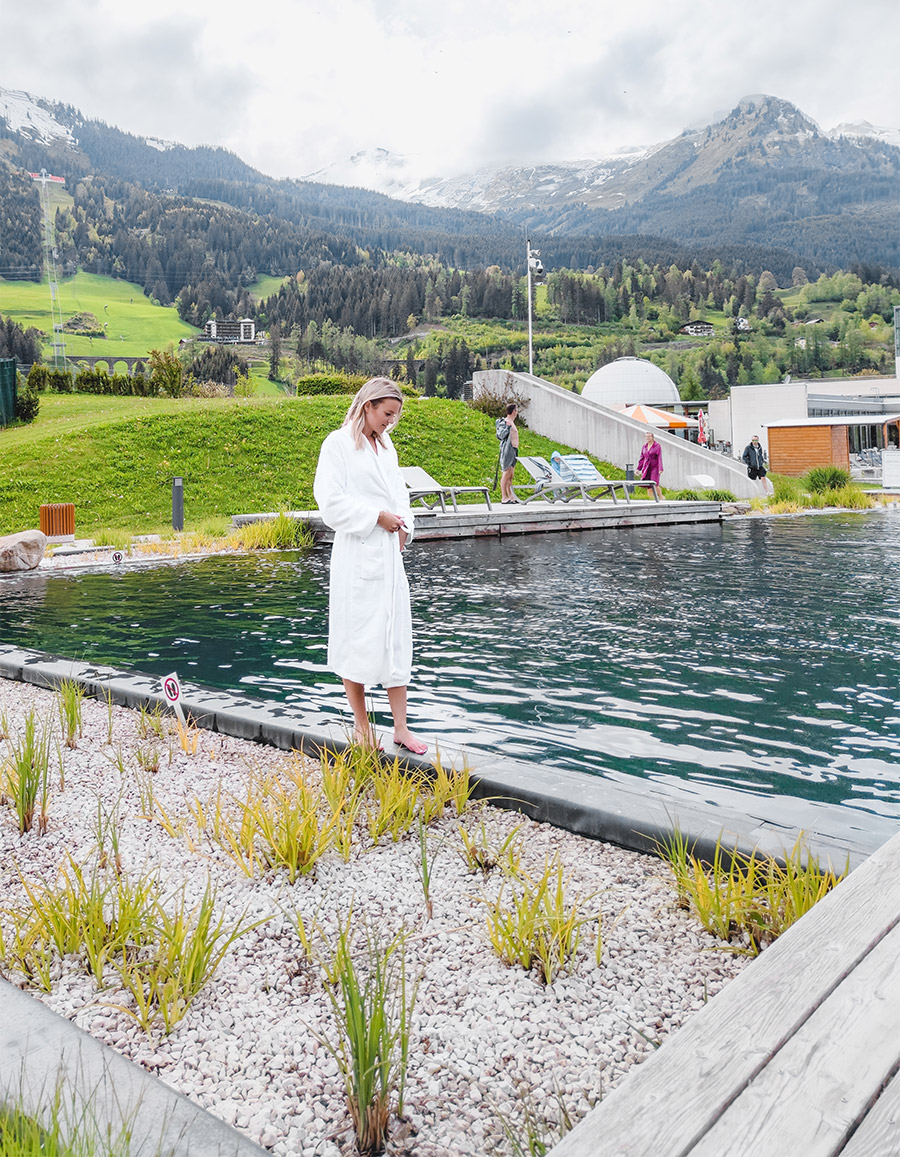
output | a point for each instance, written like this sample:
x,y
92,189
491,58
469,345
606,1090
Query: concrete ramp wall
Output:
x,y
573,421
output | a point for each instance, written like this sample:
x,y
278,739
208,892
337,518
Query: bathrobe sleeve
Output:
x,y
342,507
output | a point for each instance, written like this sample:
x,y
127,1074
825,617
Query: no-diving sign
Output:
x,y
172,688
172,692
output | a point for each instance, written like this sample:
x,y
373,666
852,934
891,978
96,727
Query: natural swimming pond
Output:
x,y
758,656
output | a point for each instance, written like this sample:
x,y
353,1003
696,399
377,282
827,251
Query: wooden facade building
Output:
x,y
796,445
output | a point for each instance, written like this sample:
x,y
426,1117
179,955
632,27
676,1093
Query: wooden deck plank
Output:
x,y
810,1095
879,1134
678,1093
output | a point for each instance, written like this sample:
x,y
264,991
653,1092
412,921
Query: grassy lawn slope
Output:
x,y
115,457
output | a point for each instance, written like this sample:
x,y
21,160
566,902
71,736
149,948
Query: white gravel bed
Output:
x,y
486,1040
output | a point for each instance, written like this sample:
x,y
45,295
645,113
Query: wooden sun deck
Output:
x,y
797,1057
474,520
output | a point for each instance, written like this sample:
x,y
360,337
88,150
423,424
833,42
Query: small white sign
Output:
x,y
172,688
172,692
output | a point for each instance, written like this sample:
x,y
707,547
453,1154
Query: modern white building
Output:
x,y
241,332
752,409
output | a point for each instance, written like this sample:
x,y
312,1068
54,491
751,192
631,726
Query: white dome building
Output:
x,y
629,381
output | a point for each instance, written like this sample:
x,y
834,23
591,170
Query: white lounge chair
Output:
x,y
546,482
424,489
578,467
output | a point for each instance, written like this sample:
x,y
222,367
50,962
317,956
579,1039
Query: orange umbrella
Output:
x,y
659,418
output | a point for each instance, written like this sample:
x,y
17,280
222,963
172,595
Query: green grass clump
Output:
x,y
63,1126
718,496
786,489
822,478
848,496
746,900
685,496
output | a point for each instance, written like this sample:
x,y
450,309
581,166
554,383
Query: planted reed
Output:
x,y
281,823
26,775
280,533
396,795
747,900
539,926
482,854
372,1003
536,1130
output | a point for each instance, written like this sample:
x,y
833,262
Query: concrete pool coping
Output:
x,y
626,810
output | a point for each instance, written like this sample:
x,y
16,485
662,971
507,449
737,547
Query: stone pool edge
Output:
x,y
627,811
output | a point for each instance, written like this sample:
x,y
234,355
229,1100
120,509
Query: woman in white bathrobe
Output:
x,y
362,496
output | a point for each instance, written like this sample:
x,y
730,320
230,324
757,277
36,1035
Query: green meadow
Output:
x,y
133,324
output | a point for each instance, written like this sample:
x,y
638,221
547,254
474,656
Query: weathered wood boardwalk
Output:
x,y
797,1057
474,520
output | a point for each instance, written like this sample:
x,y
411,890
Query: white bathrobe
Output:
x,y
369,620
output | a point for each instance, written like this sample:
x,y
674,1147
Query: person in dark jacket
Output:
x,y
754,457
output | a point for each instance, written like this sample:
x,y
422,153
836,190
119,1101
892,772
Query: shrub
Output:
x,y
848,496
60,381
685,496
27,401
493,401
718,496
328,384
822,478
38,378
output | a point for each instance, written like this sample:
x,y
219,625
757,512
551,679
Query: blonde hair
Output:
x,y
375,390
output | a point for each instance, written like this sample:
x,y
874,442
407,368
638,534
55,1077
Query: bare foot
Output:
x,y
407,740
367,738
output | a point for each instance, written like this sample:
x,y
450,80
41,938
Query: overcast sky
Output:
x,y
293,85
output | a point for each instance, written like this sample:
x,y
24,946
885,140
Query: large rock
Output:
x,y
22,551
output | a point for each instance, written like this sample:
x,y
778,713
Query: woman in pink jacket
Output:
x,y
650,462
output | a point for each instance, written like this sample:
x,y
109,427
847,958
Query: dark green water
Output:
x,y
760,656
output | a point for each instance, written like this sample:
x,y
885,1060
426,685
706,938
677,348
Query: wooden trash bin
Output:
x,y
58,520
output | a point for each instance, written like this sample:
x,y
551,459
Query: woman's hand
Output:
x,y
392,523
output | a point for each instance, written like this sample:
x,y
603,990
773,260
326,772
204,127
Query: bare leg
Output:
x,y
506,491
402,734
362,728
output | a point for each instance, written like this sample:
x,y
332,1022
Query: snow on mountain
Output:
x,y
377,169
31,118
866,129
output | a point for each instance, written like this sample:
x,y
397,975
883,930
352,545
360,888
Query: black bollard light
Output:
x,y
629,476
178,503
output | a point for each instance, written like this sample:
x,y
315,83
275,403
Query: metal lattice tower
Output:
x,y
50,255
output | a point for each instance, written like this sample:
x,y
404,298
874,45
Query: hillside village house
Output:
x,y
697,329
230,332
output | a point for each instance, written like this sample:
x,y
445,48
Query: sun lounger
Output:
x,y
424,489
546,482
578,467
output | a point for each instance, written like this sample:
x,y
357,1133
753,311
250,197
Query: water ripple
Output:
x,y
760,656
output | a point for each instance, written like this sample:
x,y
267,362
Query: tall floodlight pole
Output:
x,y
528,266
533,264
